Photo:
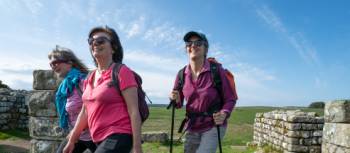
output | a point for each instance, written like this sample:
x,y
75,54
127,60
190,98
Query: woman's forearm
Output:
x,y
136,129
130,96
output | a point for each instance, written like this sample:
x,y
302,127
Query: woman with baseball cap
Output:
x,y
207,109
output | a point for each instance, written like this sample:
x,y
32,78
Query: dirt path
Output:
x,y
15,145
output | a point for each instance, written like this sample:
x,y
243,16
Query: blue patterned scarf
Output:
x,y
64,91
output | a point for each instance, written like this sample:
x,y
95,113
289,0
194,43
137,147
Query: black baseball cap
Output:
x,y
201,36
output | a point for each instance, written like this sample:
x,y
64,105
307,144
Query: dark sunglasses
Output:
x,y
196,43
98,40
56,62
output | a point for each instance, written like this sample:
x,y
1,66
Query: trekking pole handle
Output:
x,y
172,103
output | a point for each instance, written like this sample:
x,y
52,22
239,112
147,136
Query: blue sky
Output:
x,y
282,53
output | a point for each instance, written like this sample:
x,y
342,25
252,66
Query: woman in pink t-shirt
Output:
x,y
68,95
112,115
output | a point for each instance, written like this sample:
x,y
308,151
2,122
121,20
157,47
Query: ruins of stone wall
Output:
x,y
13,110
289,131
336,131
43,120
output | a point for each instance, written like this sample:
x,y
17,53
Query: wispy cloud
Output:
x,y
304,48
136,27
18,74
165,33
34,6
154,61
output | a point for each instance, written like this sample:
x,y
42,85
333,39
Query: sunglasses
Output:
x,y
56,62
195,43
98,40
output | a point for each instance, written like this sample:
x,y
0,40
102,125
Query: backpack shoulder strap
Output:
x,y
215,74
80,92
77,86
114,75
181,79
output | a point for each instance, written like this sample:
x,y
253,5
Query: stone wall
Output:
x,y
289,131
43,120
13,109
336,131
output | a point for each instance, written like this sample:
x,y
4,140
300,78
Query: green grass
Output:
x,y
239,132
14,134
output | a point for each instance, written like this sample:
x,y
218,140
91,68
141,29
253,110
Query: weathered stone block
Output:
x,y
301,119
337,111
295,148
317,133
45,80
45,128
305,126
298,134
154,136
331,148
314,149
43,146
292,126
294,141
42,103
337,133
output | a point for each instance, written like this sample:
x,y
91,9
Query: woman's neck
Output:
x,y
196,65
103,65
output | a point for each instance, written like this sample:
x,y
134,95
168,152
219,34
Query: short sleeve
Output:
x,y
126,78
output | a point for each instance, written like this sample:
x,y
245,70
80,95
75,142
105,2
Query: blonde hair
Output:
x,y
68,55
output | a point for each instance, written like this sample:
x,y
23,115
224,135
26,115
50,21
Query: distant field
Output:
x,y
239,132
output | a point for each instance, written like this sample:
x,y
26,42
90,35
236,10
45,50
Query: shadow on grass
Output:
x,y
175,143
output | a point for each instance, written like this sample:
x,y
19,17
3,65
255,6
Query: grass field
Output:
x,y
14,134
239,132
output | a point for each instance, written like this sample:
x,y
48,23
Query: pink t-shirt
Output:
x,y
106,108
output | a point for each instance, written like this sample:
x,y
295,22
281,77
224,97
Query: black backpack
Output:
x,y
141,95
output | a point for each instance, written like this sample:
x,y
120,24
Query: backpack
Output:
x,y
141,95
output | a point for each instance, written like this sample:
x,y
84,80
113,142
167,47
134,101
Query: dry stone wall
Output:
x,y
289,131
336,131
43,120
13,109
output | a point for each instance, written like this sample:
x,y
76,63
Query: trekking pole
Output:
x,y
172,103
219,139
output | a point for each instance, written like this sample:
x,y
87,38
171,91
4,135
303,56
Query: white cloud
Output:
x,y
154,61
307,52
34,6
18,74
136,27
165,34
